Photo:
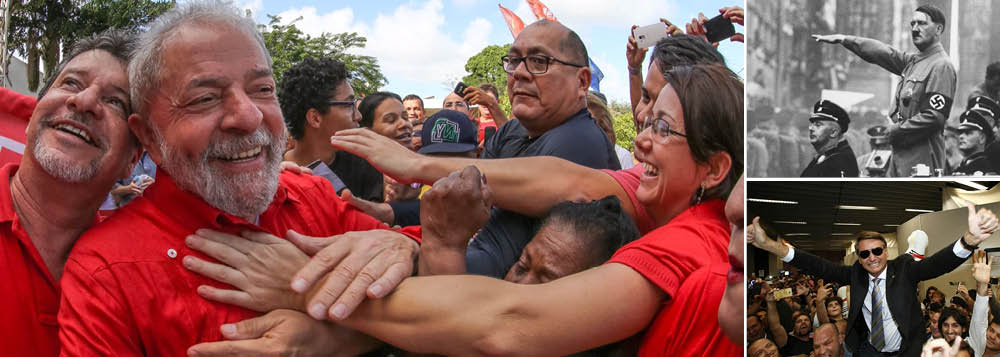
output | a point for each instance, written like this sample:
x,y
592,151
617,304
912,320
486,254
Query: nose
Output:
x,y
241,114
85,102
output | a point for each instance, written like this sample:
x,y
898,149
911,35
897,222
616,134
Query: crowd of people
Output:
x,y
873,306
173,199
915,140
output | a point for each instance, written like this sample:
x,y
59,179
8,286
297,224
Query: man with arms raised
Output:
x,y
207,114
78,144
884,309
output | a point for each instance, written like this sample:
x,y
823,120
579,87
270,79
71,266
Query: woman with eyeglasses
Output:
x,y
692,158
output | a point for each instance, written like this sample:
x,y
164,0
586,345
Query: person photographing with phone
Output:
x,y
884,313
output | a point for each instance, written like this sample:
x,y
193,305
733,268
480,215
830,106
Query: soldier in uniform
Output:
x,y
923,96
834,157
990,109
974,133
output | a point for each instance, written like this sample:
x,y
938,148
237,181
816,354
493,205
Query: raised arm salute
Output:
x,y
886,317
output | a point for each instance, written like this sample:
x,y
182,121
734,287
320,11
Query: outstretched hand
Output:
x,y
940,348
981,268
982,224
836,38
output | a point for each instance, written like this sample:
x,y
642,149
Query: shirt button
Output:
x,y
172,253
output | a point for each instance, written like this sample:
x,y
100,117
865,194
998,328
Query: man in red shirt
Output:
x,y
207,114
78,144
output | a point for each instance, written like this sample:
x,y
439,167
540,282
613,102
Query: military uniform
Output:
x,y
980,91
976,119
923,101
988,106
838,161
973,163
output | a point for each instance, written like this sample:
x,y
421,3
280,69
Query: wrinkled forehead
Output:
x,y
866,244
539,39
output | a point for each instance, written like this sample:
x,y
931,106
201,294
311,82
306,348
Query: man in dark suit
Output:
x,y
834,157
884,318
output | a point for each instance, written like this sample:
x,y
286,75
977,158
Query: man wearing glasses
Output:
x,y
884,318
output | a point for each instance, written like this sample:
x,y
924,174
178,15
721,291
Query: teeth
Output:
x,y
650,169
243,155
74,130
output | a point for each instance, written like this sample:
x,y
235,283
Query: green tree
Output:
x,y
485,67
289,45
39,28
621,118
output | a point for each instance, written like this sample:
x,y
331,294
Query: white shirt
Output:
x,y
893,339
978,325
624,157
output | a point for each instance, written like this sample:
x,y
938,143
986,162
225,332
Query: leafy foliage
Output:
x,y
288,45
484,67
621,118
39,28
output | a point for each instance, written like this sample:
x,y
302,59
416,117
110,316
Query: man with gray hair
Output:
x,y
78,144
207,113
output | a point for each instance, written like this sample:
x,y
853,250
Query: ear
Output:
x,y
141,128
313,118
583,76
718,169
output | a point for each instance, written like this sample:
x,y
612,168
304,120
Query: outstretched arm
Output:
x,y
511,179
872,51
474,315
819,267
773,322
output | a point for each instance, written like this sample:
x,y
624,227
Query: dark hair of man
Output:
x,y
118,43
936,15
414,97
835,299
934,307
953,313
869,235
490,88
571,45
372,101
711,98
684,50
603,223
308,84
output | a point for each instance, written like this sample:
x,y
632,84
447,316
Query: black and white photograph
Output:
x,y
854,88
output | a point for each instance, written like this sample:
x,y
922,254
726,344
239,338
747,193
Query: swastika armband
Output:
x,y
938,102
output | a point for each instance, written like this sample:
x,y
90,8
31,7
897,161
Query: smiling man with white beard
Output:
x,y
206,111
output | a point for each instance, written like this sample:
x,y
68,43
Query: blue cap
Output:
x,y
448,131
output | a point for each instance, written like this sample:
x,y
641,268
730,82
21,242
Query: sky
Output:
x,y
422,45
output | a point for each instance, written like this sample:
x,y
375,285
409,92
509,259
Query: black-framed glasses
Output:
x,y
661,129
536,64
342,103
863,254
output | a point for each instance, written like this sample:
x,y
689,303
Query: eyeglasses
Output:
x,y
864,253
343,103
661,128
535,64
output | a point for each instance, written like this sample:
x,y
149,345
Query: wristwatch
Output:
x,y
966,245
635,70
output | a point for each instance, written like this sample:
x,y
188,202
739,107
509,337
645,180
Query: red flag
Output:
x,y
514,23
541,11
15,112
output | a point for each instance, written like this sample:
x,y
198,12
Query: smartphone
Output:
x,y
460,89
719,28
782,293
648,36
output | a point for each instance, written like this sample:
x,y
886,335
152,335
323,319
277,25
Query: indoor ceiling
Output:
x,y
817,220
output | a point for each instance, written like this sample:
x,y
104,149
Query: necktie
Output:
x,y
877,336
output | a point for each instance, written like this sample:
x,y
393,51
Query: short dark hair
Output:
x,y
954,313
935,14
490,88
413,97
372,101
934,307
993,70
711,98
684,50
869,235
306,85
117,42
603,223
835,299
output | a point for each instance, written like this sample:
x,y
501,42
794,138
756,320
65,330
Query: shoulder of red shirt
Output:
x,y
16,104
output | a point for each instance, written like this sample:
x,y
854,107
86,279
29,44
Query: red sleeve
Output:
x,y
345,216
92,320
16,104
629,180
